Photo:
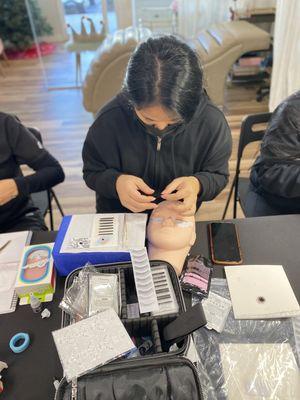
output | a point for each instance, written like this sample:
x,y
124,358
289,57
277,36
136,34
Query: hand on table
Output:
x,y
8,190
187,189
129,188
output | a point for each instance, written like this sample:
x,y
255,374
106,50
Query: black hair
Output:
x,y
164,70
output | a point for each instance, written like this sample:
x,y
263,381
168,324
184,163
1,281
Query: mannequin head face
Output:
x,y
168,231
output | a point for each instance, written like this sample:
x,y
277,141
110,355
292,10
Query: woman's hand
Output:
x,y
129,188
8,190
187,189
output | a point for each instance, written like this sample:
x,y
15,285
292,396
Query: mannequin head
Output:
x,y
170,236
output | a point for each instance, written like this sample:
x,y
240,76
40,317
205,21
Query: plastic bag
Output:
x,y
250,359
76,300
90,292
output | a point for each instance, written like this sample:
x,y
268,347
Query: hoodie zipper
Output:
x,y
158,145
156,166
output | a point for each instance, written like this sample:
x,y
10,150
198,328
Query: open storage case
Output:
x,y
165,374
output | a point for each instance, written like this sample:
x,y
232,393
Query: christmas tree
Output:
x,y
15,29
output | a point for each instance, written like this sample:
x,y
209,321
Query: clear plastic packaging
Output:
x,y
250,359
76,300
91,291
104,292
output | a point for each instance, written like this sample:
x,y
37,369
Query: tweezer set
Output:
x,y
144,281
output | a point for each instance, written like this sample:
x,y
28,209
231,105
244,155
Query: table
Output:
x,y
30,374
264,240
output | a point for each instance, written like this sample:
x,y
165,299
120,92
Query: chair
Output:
x,y
240,186
218,48
43,200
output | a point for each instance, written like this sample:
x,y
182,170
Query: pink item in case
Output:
x,y
196,276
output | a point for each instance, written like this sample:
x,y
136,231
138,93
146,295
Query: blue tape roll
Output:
x,y
21,347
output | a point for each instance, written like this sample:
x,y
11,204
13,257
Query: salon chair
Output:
x,y
218,47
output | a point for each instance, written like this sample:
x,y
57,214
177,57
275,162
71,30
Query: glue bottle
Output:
x,y
35,303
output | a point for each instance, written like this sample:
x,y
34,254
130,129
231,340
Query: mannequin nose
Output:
x,y
168,222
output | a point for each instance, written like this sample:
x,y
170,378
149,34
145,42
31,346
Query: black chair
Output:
x,y
43,200
239,185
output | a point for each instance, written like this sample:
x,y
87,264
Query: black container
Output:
x,y
163,374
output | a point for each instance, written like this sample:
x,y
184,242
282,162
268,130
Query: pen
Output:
x,y
4,245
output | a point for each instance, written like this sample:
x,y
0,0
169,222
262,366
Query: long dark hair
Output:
x,y
164,70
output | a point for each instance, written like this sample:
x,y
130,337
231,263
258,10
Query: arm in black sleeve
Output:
x,y
28,150
280,179
214,175
98,154
277,170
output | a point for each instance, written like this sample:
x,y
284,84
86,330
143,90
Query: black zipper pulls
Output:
x,y
158,145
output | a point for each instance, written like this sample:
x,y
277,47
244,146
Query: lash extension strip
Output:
x,y
164,290
105,230
144,287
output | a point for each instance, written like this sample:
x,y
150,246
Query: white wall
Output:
x,y
286,70
54,12
123,10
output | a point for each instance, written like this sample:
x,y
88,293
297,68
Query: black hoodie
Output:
x,y
19,146
117,144
276,173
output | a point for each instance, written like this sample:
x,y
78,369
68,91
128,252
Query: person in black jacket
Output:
x,y
19,146
160,137
275,175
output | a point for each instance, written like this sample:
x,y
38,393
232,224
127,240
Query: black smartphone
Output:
x,y
224,243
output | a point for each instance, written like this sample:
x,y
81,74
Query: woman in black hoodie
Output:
x,y
19,146
275,175
160,138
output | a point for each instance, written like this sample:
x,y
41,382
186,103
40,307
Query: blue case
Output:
x,y
67,262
